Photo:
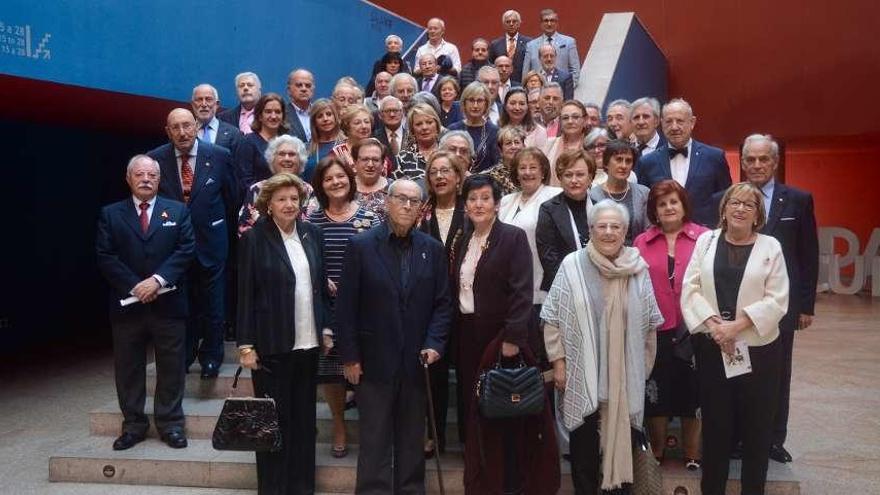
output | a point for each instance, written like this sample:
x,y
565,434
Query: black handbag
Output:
x,y
247,424
510,392
682,345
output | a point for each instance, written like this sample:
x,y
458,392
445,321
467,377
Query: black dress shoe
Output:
x,y
210,370
127,441
779,454
736,452
175,439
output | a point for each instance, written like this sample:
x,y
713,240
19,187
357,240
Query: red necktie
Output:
x,y
145,219
186,176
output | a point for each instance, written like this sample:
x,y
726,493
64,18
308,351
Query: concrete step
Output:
x,y
202,414
92,460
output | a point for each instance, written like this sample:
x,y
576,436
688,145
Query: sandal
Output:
x,y
692,464
339,451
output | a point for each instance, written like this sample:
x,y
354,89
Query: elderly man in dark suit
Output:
x,y
792,221
145,243
393,306
389,128
301,90
200,175
551,73
645,119
205,101
249,89
511,45
700,168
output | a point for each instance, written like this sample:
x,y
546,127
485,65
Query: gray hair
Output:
x,y
427,98
388,100
401,76
621,103
510,13
545,45
137,158
595,106
206,85
486,69
594,134
441,21
682,102
765,138
427,55
393,36
403,180
276,143
479,40
611,205
551,85
243,75
651,102
294,71
453,134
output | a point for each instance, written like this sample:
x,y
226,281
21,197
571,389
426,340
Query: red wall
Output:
x,y
793,69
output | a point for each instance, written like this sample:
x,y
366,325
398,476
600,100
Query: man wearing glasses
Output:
x,y
392,134
566,47
393,309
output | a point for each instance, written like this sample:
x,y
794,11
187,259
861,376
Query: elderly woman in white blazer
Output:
x,y
734,293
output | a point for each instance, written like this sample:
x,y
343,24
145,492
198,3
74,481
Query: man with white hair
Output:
x,y
427,72
404,87
389,128
552,73
249,89
512,45
205,102
617,119
301,90
488,75
439,47
645,119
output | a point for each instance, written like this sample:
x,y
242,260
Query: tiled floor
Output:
x,y
835,424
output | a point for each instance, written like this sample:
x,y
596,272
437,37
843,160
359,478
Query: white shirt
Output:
x,y
494,114
652,144
304,319
679,166
503,88
444,48
398,137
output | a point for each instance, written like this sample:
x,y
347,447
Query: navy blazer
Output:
x,y
563,77
296,127
228,136
378,324
126,255
250,162
708,174
230,115
267,284
498,47
213,198
554,237
792,222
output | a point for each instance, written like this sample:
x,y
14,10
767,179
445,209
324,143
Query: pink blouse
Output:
x,y
652,246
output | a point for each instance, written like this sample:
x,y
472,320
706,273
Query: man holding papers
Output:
x,y
145,243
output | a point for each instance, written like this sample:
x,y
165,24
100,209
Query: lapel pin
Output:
x,y
423,256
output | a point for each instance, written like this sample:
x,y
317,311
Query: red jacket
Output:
x,y
652,246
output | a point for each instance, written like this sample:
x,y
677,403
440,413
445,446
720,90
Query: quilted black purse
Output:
x,y
247,424
510,392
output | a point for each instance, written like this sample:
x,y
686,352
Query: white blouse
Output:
x,y
304,319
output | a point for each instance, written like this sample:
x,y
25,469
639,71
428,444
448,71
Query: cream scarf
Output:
x,y
614,430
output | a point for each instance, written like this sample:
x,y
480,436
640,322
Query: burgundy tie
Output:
x,y
145,220
186,176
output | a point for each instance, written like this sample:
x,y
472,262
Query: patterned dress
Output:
x,y
375,201
501,173
336,237
410,164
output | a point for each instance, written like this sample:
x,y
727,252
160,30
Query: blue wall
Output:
x,y
162,48
641,70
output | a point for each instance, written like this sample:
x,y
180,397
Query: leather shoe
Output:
x,y
175,439
127,440
210,370
779,454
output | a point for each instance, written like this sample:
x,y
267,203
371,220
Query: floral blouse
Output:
x,y
501,174
410,164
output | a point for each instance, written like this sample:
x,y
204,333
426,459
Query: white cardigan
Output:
x,y
763,294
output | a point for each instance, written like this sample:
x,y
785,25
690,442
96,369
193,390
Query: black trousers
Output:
x,y
290,379
780,427
207,287
392,426
749,400
586,461
131,337
440,393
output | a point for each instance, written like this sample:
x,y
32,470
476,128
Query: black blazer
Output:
x,y
503,286
126,255
554,237
379,133
228,136
498,47
296,127
456,226
230,115
266,285
708,174
378,324
792,222
250,162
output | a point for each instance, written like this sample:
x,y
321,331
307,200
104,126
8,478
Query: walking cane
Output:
x,y
424,360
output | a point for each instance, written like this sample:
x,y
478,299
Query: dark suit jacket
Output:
x,y
708,174
213,199
230,115
379,133
792,222
378,324
266,285
456,226
660,143
563,77
296,128
433,90
554,237
469,72
228,136
498,47
250,162
503,287
126,255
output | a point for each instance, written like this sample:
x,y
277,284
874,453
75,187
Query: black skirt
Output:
x,y
672,387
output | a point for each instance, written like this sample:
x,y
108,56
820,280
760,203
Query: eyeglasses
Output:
x,y
572,116
475,100
735,204
404,200
391,111
440,172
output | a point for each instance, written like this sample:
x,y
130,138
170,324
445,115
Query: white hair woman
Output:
x,y
600,325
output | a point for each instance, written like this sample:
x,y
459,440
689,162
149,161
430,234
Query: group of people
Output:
x,y
462,215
